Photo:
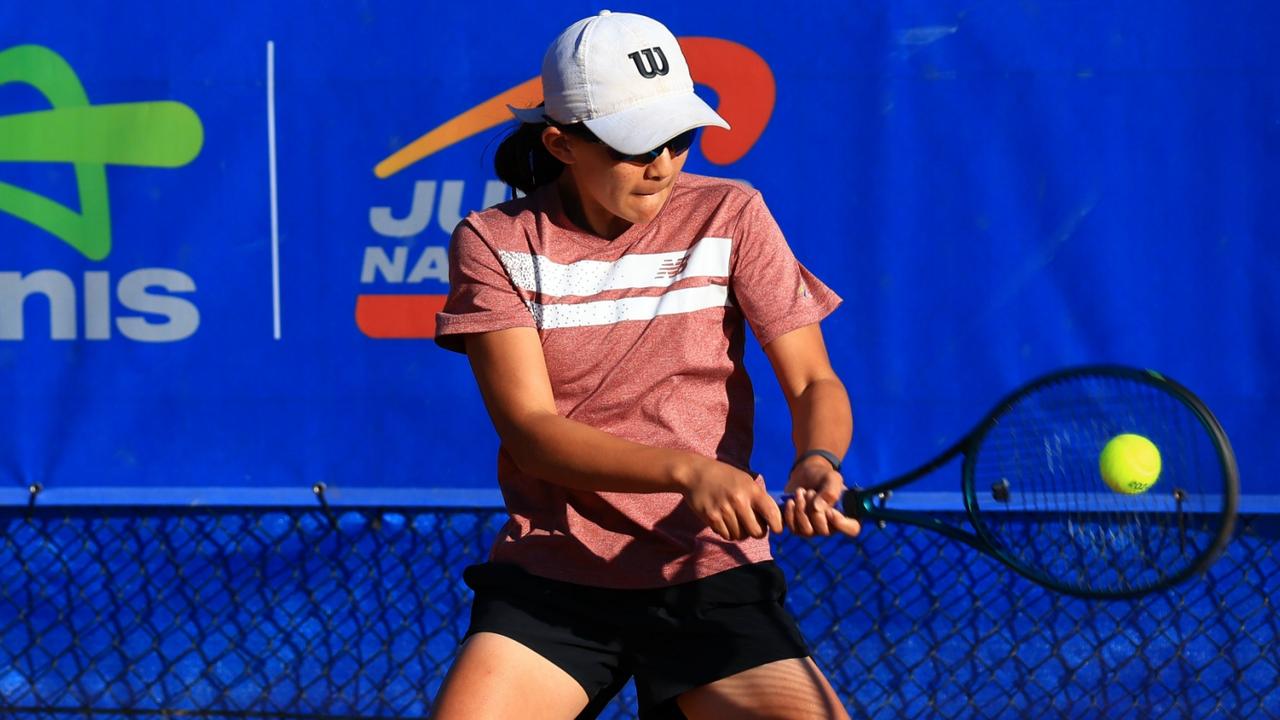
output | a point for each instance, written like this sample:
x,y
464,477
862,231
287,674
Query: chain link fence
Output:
x,y
298,613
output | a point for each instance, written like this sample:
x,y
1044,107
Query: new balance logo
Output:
x,y
672,268
649,67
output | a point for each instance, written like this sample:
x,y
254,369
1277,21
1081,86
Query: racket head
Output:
x,y
1035,494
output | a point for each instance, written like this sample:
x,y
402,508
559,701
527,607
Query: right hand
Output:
x,y
812,501
734,504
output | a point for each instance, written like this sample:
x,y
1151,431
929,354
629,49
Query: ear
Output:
x,y
557,143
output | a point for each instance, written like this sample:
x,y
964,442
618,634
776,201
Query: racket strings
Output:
x,y
1061,521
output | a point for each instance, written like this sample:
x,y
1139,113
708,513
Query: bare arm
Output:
x,y
821,420
512,374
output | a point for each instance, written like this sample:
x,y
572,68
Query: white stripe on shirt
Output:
x,y
608,312
709,257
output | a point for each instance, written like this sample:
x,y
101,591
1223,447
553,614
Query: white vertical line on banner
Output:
x,y
271,162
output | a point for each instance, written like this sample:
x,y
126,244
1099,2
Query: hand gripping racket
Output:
x,y
1037,501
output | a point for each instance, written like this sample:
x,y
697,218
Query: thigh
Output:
x,y
497,677
710,630
792,689
534,624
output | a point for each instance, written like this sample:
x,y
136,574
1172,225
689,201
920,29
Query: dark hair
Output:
x,y
523,162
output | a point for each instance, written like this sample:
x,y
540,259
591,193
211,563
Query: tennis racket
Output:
x,y
1036,500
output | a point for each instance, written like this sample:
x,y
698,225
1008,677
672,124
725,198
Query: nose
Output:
x,y
661,167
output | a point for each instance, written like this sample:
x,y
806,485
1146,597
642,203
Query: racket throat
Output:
x,y
862,504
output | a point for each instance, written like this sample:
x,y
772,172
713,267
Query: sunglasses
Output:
x,y
678,145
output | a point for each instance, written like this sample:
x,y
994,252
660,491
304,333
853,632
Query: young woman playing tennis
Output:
x,y
603,317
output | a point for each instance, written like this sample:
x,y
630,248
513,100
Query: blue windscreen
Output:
x,y
223,226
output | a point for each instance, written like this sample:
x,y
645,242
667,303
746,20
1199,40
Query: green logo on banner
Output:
x,y
148,134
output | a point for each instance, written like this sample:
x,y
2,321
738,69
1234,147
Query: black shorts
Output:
x,y
670,639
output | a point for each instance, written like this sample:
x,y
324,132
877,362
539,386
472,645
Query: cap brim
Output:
x,y
643,128
528,115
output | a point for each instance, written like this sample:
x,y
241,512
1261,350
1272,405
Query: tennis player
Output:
x,y
603,316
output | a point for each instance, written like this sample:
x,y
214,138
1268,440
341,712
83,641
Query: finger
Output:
x,y
832,487
773,515
747,519
789,514
818,516
730,519
844,524
803,527
766,511
718,527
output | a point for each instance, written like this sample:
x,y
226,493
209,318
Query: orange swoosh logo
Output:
x,y
740,78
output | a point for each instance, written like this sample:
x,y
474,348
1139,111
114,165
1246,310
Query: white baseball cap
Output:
x,y
624,77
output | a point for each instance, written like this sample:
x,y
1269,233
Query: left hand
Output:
x,y
813,509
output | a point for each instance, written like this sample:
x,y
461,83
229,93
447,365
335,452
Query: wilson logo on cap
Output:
x,y
648,67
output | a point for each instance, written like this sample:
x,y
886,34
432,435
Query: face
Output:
x,y
613,192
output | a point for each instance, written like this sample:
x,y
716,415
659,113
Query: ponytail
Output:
x,y
523,162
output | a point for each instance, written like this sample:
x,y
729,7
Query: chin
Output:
x,y
644,208
640,217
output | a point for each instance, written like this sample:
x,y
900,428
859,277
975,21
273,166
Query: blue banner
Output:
x,y
223,226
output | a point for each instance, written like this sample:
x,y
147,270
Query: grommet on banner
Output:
x,y
33,490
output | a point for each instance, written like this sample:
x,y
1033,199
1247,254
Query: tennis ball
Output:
x,y
1129,463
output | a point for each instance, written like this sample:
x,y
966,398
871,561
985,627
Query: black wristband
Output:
x,y
824,454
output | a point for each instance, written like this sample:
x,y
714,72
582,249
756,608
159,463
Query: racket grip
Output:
x,y
852,503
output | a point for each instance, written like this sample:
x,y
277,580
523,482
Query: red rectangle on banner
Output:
x,y
398,316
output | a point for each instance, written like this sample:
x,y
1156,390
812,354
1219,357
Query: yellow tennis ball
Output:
x,y
1129,463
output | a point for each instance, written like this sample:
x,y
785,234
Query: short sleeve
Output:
x,y
481,296
774,291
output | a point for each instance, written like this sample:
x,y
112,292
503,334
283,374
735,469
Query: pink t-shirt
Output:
x,y
643,337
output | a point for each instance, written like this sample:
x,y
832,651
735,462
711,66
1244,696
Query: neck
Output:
x,y
586,214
